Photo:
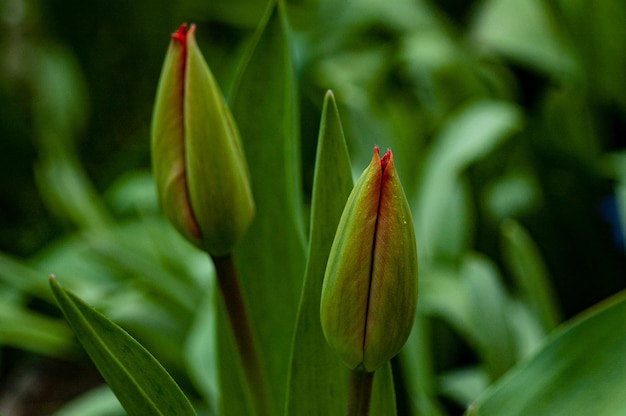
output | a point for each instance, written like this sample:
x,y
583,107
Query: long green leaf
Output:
x,y
524,31
488,314
22,328
316,370
271,257
467,136
474,302
201,350
18,275
417,361
383,393
99,401
140,383
580,371
525,263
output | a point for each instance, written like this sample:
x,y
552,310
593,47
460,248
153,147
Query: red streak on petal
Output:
x,y
384,161
181,37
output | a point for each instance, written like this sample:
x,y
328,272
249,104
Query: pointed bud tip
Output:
x,y
387,157
183,32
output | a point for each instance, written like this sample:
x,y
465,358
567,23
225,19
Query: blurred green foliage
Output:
x,y
507,120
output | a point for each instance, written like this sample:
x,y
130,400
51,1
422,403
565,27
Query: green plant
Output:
x,y
479,114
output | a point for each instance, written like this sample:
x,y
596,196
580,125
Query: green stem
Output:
x,y
360,393
242,332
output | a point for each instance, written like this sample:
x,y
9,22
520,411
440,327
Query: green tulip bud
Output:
x,y
369,295
198,161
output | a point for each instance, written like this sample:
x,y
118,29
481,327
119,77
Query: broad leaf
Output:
x,y
140,383
580,371
271,257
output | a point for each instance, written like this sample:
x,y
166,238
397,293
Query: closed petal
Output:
x,y
168,140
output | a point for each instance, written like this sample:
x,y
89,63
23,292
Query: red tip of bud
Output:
x,y
385,159
181,34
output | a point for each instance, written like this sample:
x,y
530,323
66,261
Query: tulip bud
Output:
x,y
369,293
198,161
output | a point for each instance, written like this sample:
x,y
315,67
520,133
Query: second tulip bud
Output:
x,y
198,161
369,294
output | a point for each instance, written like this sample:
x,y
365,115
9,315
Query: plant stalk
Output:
x,y
360,392
239,319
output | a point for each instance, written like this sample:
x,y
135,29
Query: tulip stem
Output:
x,y
360,392
242,332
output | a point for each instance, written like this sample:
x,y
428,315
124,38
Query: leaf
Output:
x,y
464,384
60,113
526,265
201,350
488,314
31,331
512,194
383,392
527,331
67,190
442,294
133,193
140,383
466,137
96,402
580,371
316,370
591,26
417,363
474,302
271,258
19,276
524,31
